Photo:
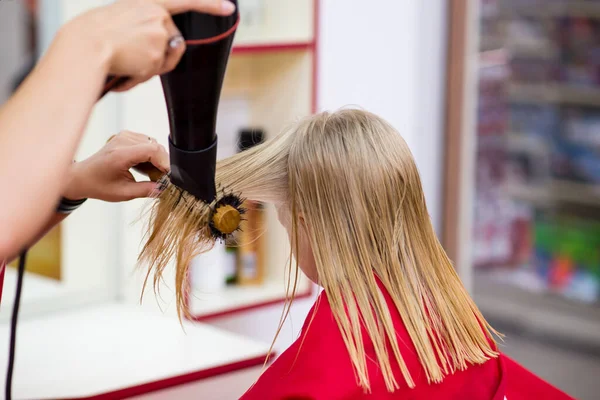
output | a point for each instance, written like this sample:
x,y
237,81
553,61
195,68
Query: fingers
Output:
x,y
134,136
129,138
129,84
150,152
215,7
173,53
136,190
175,48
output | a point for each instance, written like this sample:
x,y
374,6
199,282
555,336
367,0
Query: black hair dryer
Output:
x,y
192,93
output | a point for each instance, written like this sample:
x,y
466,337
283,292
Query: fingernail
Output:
x,y
227,7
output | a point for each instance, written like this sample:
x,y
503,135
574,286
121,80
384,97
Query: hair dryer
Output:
x,y
192,93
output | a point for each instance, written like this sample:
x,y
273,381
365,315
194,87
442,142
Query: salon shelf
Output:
x,y
522,142
536,312
572,8
537,50
272,48
555,93
557,191
493,58
490,42
236,299
118,351
518,49
276,21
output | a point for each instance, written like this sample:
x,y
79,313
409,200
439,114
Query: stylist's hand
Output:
x,y
106,176
135,34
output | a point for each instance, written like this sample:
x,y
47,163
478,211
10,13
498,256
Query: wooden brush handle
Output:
x,y
149,170
227,219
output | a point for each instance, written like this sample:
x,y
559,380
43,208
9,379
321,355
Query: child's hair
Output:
x,y
354,181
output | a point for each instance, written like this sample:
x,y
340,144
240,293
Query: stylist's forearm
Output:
x,y
36,148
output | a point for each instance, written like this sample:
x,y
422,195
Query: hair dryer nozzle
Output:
x,y
194,171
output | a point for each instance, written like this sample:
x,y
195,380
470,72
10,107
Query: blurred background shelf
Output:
x,y
555,93
534,240
527,143
557,191
542,50
511,303
549,9
272,47
266,22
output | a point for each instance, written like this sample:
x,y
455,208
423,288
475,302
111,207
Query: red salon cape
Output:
x,y
317,367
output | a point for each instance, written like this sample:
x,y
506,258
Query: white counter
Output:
x,y
99,351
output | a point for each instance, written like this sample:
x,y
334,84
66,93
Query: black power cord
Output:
x,y
13,326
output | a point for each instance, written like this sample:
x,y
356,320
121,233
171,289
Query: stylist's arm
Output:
x,y
106,175
42,124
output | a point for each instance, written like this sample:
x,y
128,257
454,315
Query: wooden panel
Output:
x,y
455,97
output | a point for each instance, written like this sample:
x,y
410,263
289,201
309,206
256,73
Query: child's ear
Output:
x,y
301,220
302,223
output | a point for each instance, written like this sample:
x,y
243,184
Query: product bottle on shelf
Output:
x,y
207,270
251,237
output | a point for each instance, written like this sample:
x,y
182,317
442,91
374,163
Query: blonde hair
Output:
x,y
354,181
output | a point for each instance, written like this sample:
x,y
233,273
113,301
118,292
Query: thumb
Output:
x,y
139,190
153,153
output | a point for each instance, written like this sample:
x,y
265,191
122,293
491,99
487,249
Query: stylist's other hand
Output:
x,y
106,175
134,35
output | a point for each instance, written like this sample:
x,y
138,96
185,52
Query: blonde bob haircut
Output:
x,y
354,181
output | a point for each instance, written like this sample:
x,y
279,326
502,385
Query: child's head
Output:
x,y
345,185
348,192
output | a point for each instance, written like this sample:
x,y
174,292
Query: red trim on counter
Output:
x,y
178,380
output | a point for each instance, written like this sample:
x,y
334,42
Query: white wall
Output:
x,y
388,56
